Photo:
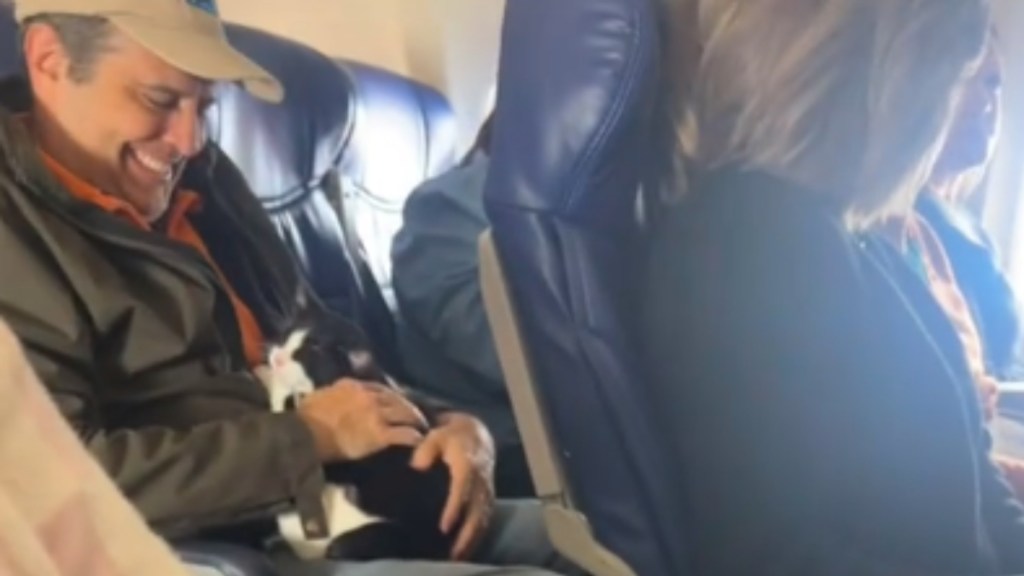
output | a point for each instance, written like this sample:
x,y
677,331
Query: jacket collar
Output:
x,y
18,156
233,222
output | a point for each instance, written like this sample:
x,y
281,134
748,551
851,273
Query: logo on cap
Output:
x,y
209,6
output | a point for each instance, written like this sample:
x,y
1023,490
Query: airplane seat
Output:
x,y
290,153
217,559
10,53
578,83
403,133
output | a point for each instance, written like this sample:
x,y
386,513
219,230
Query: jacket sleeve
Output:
x,y
983,279
1004,516
763,401
998,308
182,480
436,270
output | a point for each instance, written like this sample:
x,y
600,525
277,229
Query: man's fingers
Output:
x,y
458,494
399,415
471,531
426,454
397,406
402,436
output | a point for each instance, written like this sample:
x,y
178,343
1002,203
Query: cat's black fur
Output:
x,y
411,501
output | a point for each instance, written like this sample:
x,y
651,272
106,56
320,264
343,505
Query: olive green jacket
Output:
x,y
135,338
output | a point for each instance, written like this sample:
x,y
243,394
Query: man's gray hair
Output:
x,y
85,38
852,98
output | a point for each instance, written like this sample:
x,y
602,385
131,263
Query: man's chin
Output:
x,y
152,207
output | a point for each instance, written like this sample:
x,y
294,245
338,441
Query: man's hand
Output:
x,y
352,420
463,443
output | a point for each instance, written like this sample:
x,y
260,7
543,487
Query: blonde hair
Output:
x,y
957,186
848,97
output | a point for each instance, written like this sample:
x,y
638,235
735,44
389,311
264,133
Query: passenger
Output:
x,y
820,411
59,513
444,334
973,259
962,260
144,277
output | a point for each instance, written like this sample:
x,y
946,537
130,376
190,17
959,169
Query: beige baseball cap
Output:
x,y
187,34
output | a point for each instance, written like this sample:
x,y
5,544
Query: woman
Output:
x,y
951,252
981,281
820,411
938,231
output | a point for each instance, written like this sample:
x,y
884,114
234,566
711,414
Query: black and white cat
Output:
x,y
378,507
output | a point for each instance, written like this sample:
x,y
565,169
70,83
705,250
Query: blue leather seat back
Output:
x,y
577,84
10,53
290,153
403,132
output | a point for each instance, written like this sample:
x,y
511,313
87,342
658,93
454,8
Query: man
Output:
x,y
444,334
144,279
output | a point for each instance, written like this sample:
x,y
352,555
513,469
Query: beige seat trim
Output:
x,y
568,529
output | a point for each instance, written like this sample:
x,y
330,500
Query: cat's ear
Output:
x,y
292,344
362,363
306,313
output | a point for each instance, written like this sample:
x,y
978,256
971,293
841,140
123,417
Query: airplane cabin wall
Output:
x,y
1004,211
451,45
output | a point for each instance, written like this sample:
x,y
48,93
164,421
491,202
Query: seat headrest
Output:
x,y
578,90
10,52
403,132
284,149
579,107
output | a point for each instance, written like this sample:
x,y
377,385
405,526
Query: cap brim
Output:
x,y
203,56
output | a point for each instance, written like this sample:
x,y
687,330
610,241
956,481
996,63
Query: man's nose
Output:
x,y
186,131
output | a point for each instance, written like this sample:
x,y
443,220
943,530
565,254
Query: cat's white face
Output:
x,y
283,376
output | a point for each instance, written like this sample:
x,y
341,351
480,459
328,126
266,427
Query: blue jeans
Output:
x,y
516,544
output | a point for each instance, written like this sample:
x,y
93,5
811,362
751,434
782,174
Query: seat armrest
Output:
x,y
212,559
568,529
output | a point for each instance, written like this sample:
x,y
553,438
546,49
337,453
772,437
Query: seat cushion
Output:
x,y
403,132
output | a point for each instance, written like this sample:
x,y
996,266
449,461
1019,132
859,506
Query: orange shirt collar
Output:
x,y
178,228
185,201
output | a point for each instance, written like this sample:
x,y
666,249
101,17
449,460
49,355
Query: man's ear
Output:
x,y
46,59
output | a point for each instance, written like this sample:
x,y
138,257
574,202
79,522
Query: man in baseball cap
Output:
x,y
187,34
120,86
145,280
